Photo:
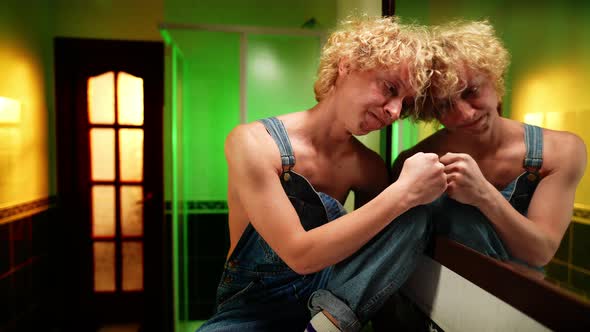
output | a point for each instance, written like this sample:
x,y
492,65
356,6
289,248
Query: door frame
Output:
x,y
73,56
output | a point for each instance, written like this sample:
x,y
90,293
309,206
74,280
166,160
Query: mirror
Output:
x,y
546,86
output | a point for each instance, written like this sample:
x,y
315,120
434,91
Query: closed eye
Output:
x,y
442,106
390,89
470,92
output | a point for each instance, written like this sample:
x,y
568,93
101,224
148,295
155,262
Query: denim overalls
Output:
x,y
259,292
467,225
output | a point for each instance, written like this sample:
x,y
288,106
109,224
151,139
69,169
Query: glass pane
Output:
x,y
103,211
102,154
131,154
104,267
129,99
101,99
132,266
132,210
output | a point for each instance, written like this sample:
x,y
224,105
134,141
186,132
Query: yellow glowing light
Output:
x,y
130,99
549,88
9,110
536,119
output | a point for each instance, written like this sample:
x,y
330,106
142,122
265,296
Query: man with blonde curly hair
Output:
x,y
511,185
293,251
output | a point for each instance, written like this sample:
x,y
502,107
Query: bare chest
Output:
x,y
501,171
332,177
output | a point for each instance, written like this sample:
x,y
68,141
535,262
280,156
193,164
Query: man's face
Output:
x,y
374,99
472,109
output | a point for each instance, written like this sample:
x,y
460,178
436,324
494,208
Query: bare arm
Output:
x,y
533,239
261,195
398,164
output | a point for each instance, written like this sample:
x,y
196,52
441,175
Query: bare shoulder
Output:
x,y
249,145
561,138
565,151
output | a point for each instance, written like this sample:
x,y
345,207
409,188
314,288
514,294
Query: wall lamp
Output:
x,y
9,111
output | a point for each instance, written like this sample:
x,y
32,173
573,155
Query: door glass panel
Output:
x,y
129,99
131,154
101,99
103,211
132,210
132,266
106,222
102,152
104,267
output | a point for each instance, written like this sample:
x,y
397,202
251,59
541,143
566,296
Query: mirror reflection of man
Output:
x,y
511,186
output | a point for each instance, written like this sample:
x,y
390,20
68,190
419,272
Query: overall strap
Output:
x,y
277,131
533,140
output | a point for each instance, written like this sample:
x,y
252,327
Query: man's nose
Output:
x,y
465,109
393,108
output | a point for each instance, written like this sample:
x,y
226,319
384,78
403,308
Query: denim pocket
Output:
x,y
232,288
271,258
236,296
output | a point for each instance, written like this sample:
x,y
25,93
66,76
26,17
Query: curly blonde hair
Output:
x,y
461,45
369,43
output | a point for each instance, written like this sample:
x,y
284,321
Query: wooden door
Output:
x,y
109,119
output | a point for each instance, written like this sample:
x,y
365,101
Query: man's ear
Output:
x,y
343,67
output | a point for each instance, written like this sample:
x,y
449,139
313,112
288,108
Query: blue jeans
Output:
x,y
360,285
259,292
466,224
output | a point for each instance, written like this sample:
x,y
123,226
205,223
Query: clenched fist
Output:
x,y
466,183
424,177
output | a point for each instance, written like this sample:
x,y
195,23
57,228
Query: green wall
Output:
x,y
280,74
268,13
210,110
108,19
